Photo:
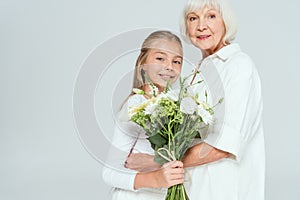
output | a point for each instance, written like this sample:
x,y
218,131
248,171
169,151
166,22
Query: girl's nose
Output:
x,y
169,65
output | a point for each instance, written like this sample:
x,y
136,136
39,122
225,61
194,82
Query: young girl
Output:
x,y
160,60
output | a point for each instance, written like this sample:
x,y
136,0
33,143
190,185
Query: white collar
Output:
x,y
227,51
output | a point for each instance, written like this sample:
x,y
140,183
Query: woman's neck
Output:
x,y
208,52
205,54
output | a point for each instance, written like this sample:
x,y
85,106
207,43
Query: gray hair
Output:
x,y
222,6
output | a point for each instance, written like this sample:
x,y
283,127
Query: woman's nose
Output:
x,y
202,25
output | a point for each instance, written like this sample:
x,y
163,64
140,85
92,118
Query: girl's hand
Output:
x,y
171,173
141,162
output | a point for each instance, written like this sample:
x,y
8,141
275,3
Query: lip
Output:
x,y
203,37
166,76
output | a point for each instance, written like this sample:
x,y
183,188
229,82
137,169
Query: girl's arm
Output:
x,y
171,173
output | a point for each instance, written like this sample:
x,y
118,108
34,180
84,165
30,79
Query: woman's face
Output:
x,y
164,62
206,30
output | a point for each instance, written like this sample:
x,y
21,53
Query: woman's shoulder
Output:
x,y
242,57
238,55
241,63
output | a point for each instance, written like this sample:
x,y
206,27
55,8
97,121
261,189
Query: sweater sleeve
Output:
x,y
124,137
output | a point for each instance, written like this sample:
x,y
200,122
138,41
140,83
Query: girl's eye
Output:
x,y
177,62
160,58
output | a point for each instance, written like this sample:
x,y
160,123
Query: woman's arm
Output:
x,y
197,155
201,154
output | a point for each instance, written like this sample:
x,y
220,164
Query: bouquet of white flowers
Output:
x,y
171,120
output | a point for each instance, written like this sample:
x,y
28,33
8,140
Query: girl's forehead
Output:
x,y
162,41
166,45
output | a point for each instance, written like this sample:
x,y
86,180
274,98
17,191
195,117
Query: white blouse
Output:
x,y
238,129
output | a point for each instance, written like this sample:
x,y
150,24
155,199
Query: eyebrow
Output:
x,y
212,10
161,52
193,13
178,57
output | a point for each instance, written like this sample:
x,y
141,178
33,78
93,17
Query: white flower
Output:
x,y
160,96
205,115
150,108
172,94
138,91
134,104
188,105
132,111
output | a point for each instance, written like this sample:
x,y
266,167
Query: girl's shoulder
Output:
x,y
135,100
132,101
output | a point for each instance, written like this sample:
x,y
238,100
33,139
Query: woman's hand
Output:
x,y
171,173
141,162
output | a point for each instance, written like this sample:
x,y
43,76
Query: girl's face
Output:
x,y
206,30
163,62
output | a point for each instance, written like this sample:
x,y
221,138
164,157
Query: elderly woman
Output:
x,y
229,163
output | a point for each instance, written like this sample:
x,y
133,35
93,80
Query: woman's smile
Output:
x,y
203,37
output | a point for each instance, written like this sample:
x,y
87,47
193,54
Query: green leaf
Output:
x,y
157,139
167,86
159,160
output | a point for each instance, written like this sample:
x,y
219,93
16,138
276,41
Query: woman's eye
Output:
x,y
212,16
159,58
192,18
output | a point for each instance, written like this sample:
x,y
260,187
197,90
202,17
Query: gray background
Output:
x,y
42,46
